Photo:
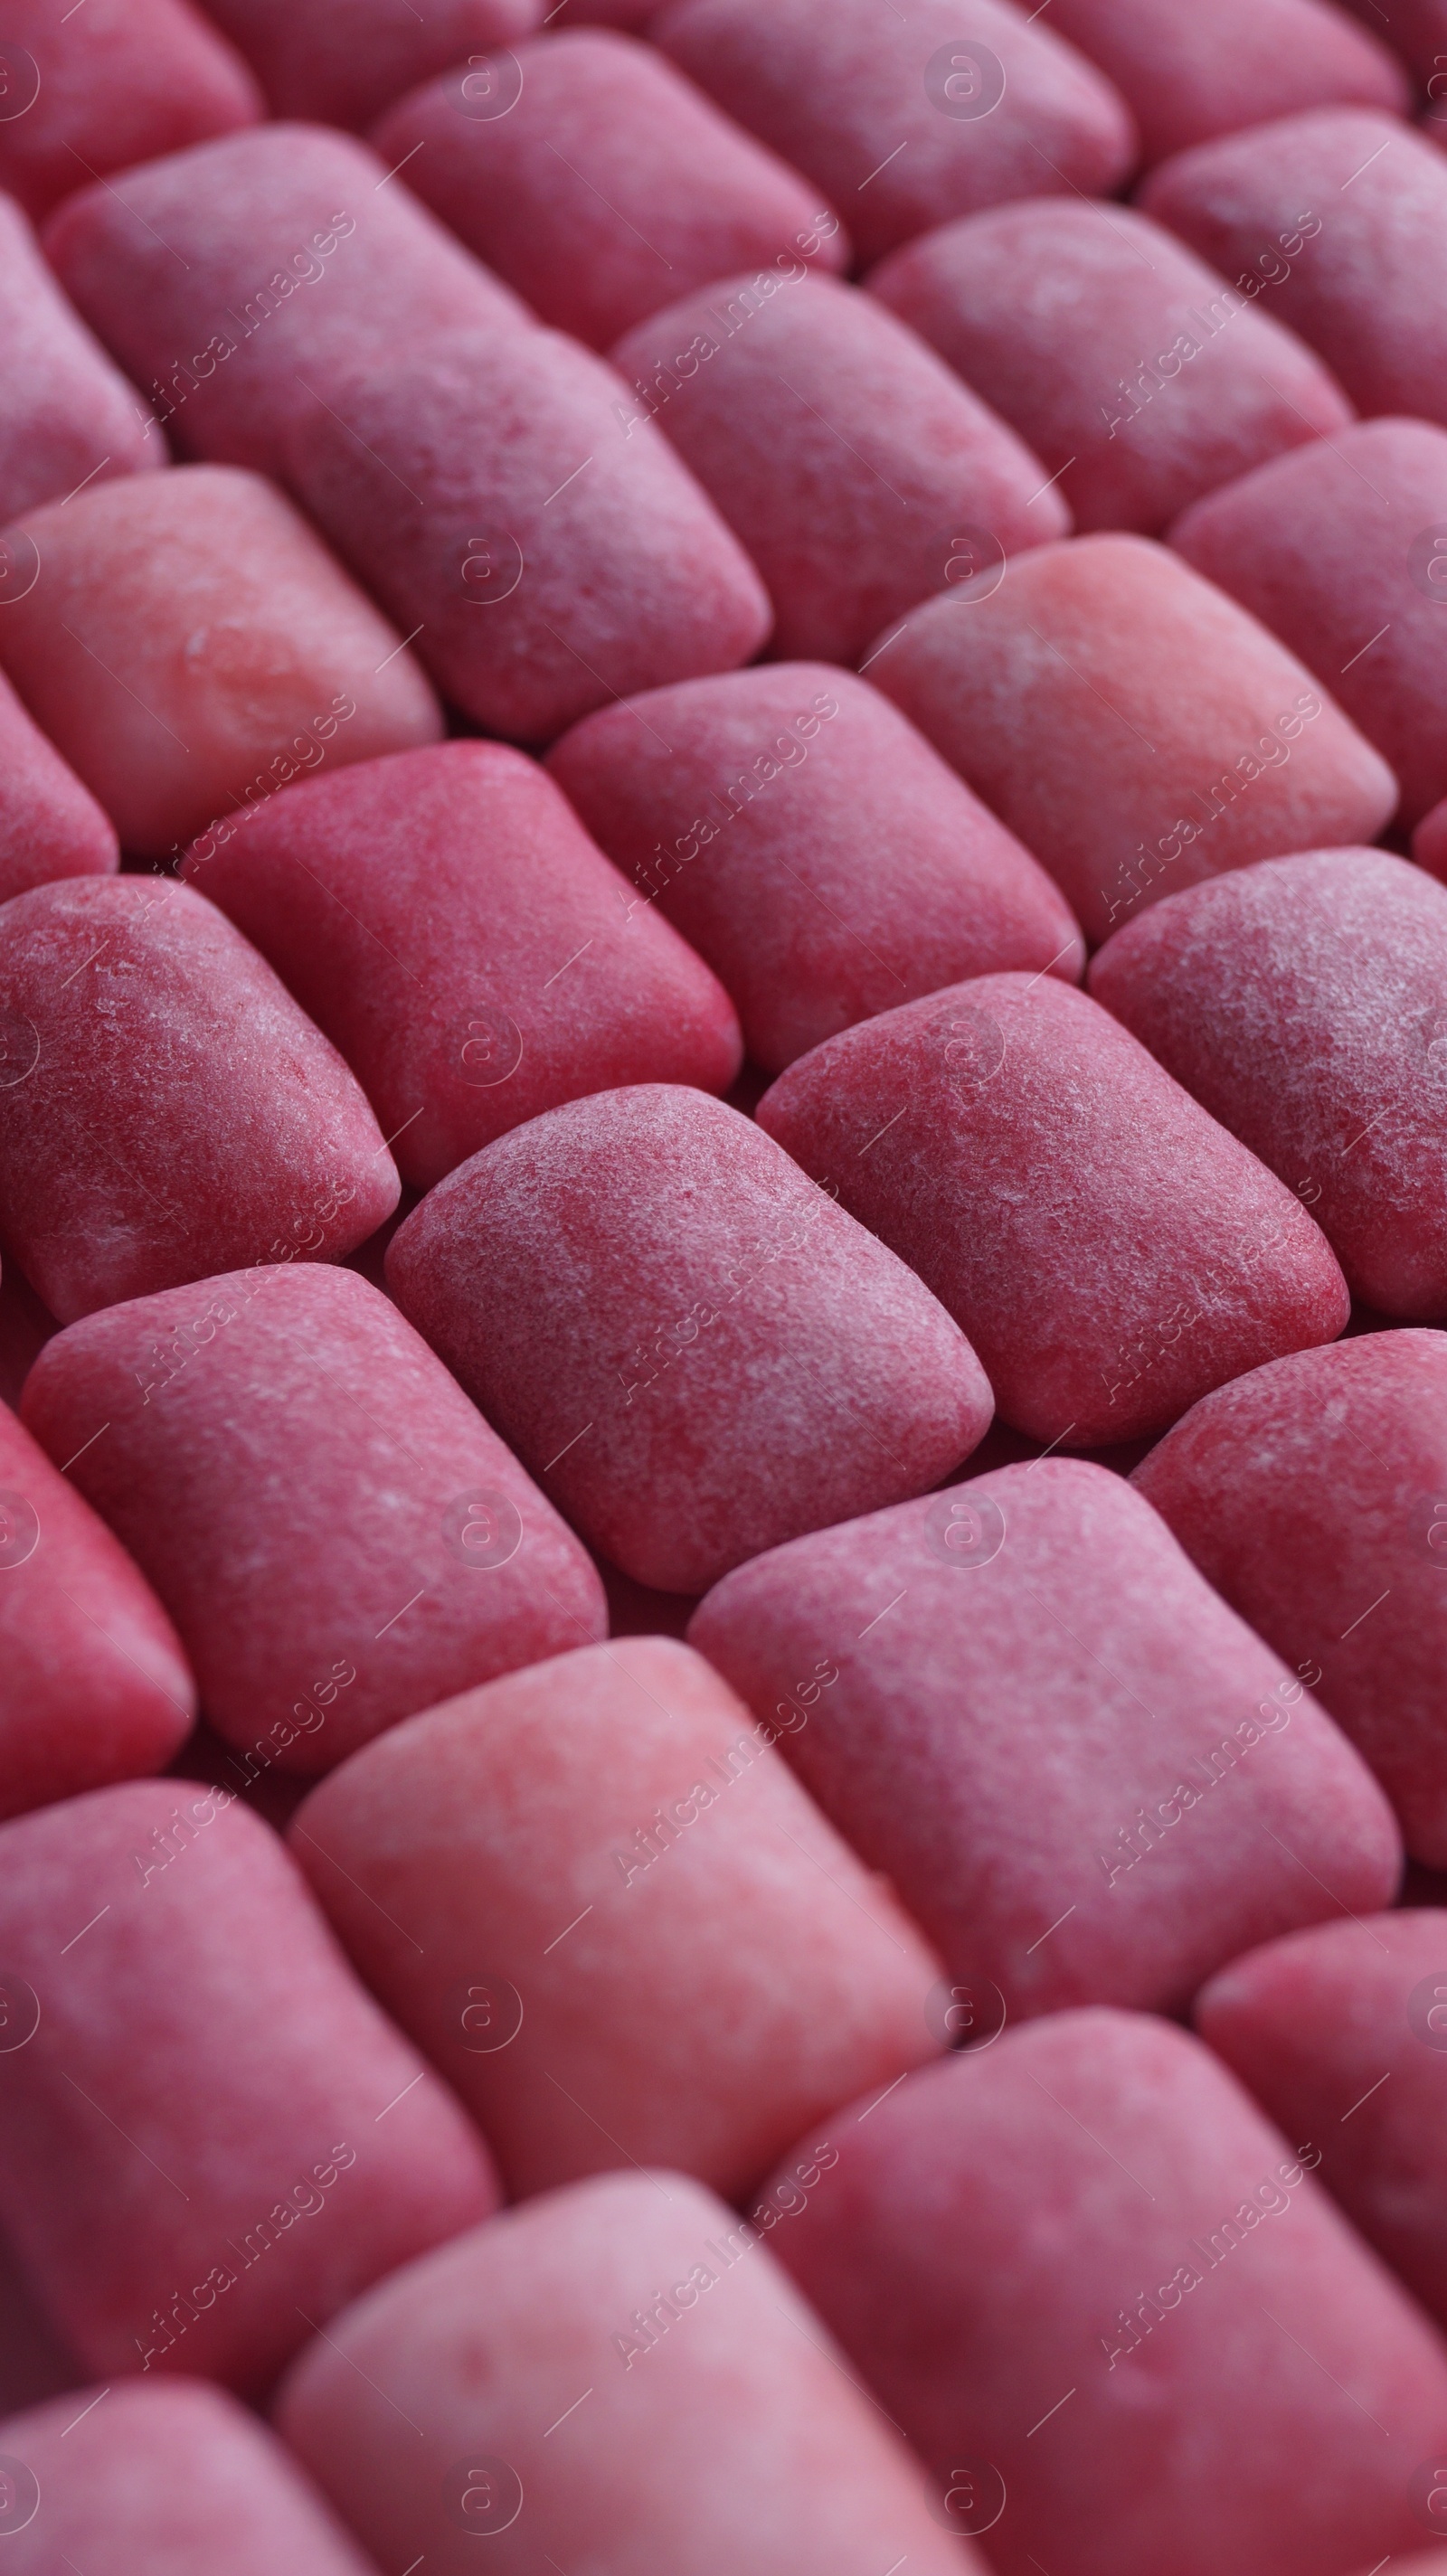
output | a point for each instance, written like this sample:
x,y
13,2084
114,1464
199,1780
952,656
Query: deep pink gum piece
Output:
x,y
139,77
1308,1493
1429,842
170,1111
732,2439
201,2050
701,1353
842,94
1076,2260
612,186
1030,1749
1333,549
345,61
161,2480
1417,30
1339,2033
840,449
446,920
94,1684
50,826
309,1492
1301,1001
1343,212
863,871
1111,1252
598,1981
67,416
1188,77
566,559
234,282
1138,378
1102,696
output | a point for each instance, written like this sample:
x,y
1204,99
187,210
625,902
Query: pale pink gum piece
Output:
x,y
610,187
1189,76
1110,1250
67,416
1133,725
137,77
161,2481
339,1536
599,1864
1081,2264
720,2429
168,1111
344,61
862,871
859,102
699,1351
200,2057
842,452
1313,1494
446,920
50,825
1304,1003
187,642
1135,374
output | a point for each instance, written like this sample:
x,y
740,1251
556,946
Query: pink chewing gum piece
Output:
x,y
1429,842
339,1536
599,182
848,460
235,282
344,61
1111,1252
1304,1003
1340,2032
842,866
1138,377
1343,213
905,122
699,1350
50,826
187,642
1108,2301
1417,30
566,558
67,416
1341,550
34,2362
94,1686
138,77
446,920
1029,1703
169,1112
720,2430
1133,725
599,1864
160,2481
1187,77
1313,1494
205,2092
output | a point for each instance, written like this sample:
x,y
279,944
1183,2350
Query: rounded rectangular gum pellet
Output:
x,y
1343,212
159,2481
904,122
50,826
1132,2330
213,2139
1111,1251
1187,77
599,182
133,79
1341,549
67,416
338,1535
1135,373
187,643
617,2377
812,846
852,464
1301,1001
235,281
448,923
698,1352
567,558
598,1865
1133,725
344,61
169,1112
1040,1625
1313,1495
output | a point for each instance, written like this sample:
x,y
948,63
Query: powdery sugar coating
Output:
x,y
50,826
1190,75
135,78
700,1352
344,61
66,414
